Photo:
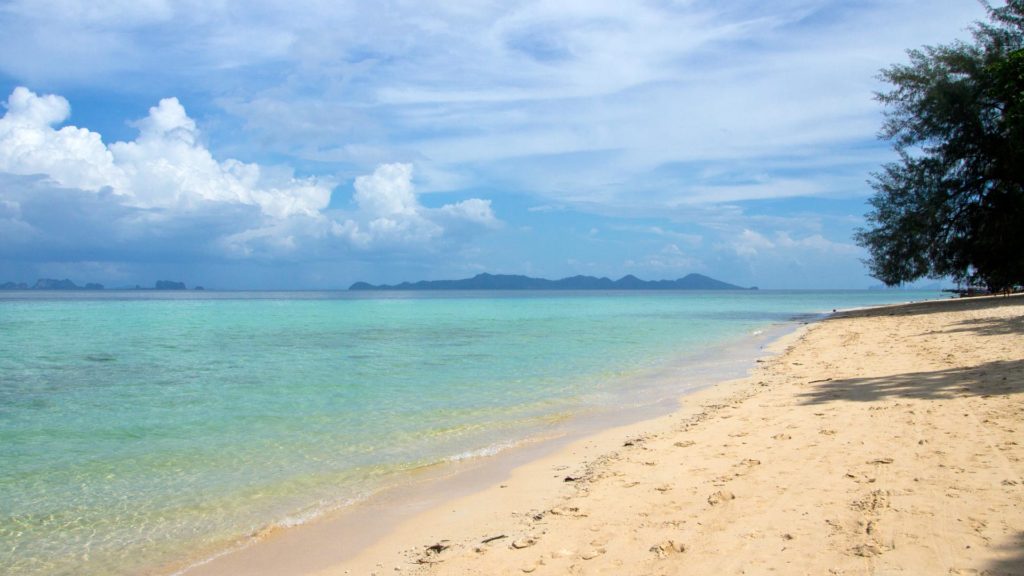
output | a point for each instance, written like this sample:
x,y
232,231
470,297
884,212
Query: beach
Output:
x,y
879,441
148,432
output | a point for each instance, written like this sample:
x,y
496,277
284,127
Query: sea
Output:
x,y
141,431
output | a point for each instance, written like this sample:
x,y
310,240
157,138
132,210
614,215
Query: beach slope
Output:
x,y
884,441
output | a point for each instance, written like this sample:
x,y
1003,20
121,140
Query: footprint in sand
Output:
x,y
567,511
720,497
668,548
867,550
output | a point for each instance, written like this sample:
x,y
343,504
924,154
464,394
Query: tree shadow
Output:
x,y
994,378
938,384
990,378
990,326
1014,564
935,306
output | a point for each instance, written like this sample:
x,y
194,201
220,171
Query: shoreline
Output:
x,y
373,517
293,408
368,520
540,515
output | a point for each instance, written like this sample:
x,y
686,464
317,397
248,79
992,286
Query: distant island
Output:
x,y
67,284
50,284
517,282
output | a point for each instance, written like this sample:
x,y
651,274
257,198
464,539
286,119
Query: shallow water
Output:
x,y
138,429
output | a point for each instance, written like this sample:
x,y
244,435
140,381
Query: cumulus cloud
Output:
x,y
71,156
669,260
679,112
474,210
166,180
597,104
165,167
44,222
780,90
751,244
387,192
782,258
388,211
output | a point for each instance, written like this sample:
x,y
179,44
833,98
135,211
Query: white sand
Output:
x,y
888,441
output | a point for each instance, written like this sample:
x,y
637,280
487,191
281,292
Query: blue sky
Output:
x,y
273,144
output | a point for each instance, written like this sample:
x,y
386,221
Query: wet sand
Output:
x,y
883,441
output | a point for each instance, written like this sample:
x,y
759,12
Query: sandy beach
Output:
x,y
882,441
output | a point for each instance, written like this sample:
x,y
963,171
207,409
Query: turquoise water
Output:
x,y
142,430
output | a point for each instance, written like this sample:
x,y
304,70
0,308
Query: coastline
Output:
x,y
312,544
746,473
297,407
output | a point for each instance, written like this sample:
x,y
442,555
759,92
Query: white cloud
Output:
x,y
70,156
109,14
669,260
751,244
27,109
388,210
473,210
689,240
817,243
166,174
165,167
451,85
387,192
690,113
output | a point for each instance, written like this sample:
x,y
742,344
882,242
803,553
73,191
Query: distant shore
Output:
x,y
518,282
884,439
68,285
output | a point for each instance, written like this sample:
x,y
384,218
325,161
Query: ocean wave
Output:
x,y
491,450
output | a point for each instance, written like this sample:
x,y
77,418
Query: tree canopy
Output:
x,y
953,205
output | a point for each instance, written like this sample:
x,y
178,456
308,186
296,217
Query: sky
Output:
x,y
307,145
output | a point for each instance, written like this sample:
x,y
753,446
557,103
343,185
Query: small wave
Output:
x,y
262,533
482,452
757,332
300,519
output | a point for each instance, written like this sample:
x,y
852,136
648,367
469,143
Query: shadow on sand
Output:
x,y
938,384
935,306
991,378
935,385
990,326
1012,566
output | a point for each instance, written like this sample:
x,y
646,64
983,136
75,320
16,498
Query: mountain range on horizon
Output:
x,y
519,282
68,284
